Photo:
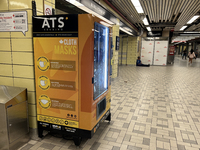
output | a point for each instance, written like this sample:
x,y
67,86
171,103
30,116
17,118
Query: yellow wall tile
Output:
x,y
5,34
3,4
5,70
5,44
39,13
39,5
20,4
23,71
31,97
21,35
48,1
32,110
32,122
6,81
26,83
53,1
5,57
53,6
22,45
22,58
29,13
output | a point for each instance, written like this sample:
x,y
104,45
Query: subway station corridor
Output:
x,y
155,108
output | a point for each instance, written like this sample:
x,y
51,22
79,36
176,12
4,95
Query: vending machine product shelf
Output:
x,y
72,71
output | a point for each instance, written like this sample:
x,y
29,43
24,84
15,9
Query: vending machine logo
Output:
x,y
143,48
157,51
164,56
158,42
165,47
43,63
54,26
150,52
150,43
157,60
60,22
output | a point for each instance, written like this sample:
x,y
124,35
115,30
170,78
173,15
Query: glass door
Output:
x,y
101,55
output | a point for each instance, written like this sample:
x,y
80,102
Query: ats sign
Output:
x,y
55,24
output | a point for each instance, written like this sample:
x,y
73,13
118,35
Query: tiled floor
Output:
x,y
155,108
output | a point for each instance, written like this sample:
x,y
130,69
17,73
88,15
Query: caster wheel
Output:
x,y
77,140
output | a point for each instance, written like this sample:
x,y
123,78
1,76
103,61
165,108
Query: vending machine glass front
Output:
x,y
101,55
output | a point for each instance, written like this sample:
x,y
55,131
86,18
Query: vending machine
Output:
x,y
72,74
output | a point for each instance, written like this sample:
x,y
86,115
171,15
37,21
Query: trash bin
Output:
x,y
13,117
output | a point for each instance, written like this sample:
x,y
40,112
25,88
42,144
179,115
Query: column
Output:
x,y
115,52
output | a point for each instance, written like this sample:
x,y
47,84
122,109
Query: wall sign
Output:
x,y
14,22
47,10
56,26
117,42
171,50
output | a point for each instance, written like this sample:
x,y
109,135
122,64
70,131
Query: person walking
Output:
x,y
184,54
191,55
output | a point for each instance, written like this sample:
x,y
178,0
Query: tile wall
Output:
x,y
128,52
115,53
16,53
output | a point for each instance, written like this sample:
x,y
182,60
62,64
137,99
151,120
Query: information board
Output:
x,y
14,22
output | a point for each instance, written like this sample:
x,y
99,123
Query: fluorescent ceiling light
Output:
x,y
81,6
191,32
125,31
145,21
105,24
148,28
128,29
74,2
137,5
193,19
183,28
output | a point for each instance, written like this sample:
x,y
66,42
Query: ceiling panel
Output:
x,y
166,13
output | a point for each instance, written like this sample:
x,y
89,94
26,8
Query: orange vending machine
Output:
x,y
72,73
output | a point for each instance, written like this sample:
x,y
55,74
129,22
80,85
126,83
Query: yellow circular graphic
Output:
x,y
43,63
44,101
44,82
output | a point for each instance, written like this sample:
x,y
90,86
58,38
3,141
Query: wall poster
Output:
x,y
154,52
14,22
147,50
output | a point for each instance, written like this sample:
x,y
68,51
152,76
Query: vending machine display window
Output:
x,y
101,55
